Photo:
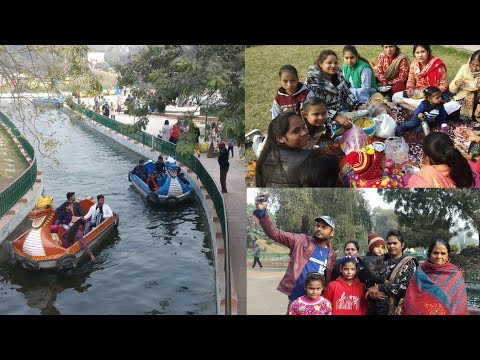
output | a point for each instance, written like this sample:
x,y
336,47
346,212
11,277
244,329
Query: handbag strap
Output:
x,y
397,269
393,276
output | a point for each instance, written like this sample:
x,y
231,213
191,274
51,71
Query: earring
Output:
x,y
281,141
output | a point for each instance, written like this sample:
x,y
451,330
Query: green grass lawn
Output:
x,y
262,64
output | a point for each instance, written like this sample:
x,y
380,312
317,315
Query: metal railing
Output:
x,y
191,162
14,192
270,259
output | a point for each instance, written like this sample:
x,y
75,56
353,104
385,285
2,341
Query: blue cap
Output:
x,y
347,258
326,219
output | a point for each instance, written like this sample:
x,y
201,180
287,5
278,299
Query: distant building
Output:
x,y
95,57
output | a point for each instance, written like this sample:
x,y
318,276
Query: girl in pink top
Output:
x,y
312,303
443,165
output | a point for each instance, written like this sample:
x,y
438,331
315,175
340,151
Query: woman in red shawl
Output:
x,y
437,286
426,70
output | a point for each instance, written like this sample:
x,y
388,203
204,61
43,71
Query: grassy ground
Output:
x,y
273,248
8,150
262,80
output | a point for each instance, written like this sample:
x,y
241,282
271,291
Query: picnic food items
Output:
x,y
353,139
469,87
367,124
396,148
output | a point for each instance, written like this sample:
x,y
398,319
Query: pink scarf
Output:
x,y
432,176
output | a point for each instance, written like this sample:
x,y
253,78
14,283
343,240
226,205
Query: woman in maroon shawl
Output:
x,y
437,287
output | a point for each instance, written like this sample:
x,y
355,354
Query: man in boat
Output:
x,y
97,213
140,170
160,166
77,209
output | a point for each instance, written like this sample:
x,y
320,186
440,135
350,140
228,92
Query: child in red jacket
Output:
x,y
347,293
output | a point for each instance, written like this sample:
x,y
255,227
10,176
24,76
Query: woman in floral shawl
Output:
x,y
437,287
426,70
392,68
325,81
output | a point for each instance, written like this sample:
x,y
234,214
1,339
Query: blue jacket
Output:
x,y
432,113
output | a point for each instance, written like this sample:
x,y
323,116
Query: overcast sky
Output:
x,y
370,194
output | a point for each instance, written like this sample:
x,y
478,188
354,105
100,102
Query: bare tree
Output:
x,y
29,72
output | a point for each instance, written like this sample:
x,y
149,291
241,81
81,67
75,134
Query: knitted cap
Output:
x,y
375,240
366,166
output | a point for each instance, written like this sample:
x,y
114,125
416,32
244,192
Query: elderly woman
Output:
x,y
426,70
465,85
400,269
392,68
437,287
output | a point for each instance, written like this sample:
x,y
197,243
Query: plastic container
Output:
x,y
369,130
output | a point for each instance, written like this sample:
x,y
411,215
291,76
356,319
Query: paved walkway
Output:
x,y
235,201
263,296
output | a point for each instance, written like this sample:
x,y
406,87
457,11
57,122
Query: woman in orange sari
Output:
x,y
443,165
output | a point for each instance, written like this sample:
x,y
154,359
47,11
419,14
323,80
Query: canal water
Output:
x,y
158,261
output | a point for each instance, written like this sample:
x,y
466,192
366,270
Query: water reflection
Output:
x,y
158,261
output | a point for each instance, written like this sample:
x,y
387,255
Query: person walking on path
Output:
x,y
231,144
224,166
256,256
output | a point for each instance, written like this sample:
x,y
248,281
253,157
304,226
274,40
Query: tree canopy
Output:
x,y
428,213
296,209
212,76
28,71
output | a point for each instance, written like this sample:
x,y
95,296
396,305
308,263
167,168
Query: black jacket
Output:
x,y
77,209
375,269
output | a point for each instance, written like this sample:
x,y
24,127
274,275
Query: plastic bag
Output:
x,y
396,149
353,140
376,109
385,126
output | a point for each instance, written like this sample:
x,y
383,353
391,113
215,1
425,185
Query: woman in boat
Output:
x,y
152,181
75,234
